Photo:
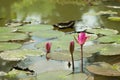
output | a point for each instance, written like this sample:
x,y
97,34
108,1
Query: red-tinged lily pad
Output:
x,y
9,46
102,68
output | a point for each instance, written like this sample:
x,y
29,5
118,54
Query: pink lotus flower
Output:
x,y
81,38
48,47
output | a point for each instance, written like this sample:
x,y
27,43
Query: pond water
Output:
x,y
92,14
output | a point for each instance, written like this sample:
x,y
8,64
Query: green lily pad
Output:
x,y
47,34
18,74
16,55
102,31
110,49
2,73
7,30
110,39
102,68
114,18
9,46
62,75
34,28
13,37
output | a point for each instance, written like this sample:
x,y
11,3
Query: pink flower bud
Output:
x,y
48,47
71,47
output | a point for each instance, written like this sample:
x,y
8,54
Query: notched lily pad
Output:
x,y
110,49
110,39
13,37
16,55
62,75
7,30
34,28
47,34
102,31
102,68
9,46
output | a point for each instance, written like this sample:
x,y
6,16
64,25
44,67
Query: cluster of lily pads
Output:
x,y
102,42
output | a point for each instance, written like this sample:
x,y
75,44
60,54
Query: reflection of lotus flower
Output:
x,y
81,40
71,51
48,47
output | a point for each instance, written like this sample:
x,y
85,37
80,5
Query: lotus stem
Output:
x,y
81,59
73,68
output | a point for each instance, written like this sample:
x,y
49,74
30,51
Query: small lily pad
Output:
x,y
110,39
110,49
62,75
102,68
114,18
16,55
47,34
7,30
34,28
102,31
2,73
13,37
9,46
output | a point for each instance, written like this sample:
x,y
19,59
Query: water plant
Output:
x,y
71,48
82,37
48,48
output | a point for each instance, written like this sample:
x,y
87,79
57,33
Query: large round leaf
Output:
x,y
102,31
16,55
47,34
13,37
8,46
109,39
102,68
7,29
63,75
110,49
34,28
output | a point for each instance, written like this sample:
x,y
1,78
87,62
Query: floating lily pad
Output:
x,y
7,29
102,31
110,49
18,74
110,39
47,34
114,18
34,28
13,37
9,46
16,55
63,75
102,68
2,73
